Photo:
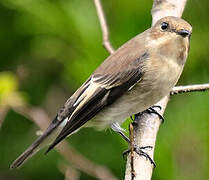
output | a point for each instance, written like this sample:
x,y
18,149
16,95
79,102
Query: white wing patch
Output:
x,y
87,94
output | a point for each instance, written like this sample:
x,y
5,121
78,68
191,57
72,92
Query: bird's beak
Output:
x,y
184,33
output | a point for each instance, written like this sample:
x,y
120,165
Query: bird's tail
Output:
x,y
49,135
35,147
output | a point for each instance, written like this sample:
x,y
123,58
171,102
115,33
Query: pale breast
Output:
x,y
155,84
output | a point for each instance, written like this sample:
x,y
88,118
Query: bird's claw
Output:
x,y
149,110
157,106
152,110
140,152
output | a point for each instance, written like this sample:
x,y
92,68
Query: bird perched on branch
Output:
x,y
129,81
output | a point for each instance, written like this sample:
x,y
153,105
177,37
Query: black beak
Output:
x,y
184,32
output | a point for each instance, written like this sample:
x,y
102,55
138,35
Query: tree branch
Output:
x,y
189,88
131,136
69,172
162,8
105,32
145,134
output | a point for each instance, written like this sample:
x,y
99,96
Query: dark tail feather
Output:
x,y
36,146
26,155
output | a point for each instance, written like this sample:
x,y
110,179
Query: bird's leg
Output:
x,y
116,127
139,150
153,111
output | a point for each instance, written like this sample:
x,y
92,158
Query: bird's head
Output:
x,y
170,37
173,27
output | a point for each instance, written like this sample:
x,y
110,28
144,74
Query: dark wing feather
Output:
x,y
89,110
99,100
113,78
68,108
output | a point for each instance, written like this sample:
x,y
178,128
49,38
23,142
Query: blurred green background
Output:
x,y
49,47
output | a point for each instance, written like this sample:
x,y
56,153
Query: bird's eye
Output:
x,y
164,26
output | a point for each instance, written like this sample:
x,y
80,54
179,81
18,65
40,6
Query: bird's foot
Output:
x,y
157,106
153,111
140,152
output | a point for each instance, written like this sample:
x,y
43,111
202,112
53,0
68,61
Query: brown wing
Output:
x,y
121,66
110,81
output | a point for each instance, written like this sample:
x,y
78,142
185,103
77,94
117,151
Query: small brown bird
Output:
x,y
129,81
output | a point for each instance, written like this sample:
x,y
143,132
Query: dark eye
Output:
x,y
164,25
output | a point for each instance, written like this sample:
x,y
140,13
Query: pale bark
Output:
x,y
189,88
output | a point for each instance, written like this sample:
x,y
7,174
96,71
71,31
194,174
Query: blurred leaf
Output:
x,y
8,90
8,84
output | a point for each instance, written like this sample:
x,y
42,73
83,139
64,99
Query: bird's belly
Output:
x,y
134,101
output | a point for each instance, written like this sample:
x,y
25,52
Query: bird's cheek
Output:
x,y
166,48
155,35
183,52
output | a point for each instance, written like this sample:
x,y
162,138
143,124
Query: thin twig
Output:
x,y
105,32
189,88
131,133
69,172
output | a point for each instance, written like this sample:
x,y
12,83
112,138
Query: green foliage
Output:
x,y
9,94
8,84
49,47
